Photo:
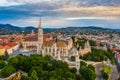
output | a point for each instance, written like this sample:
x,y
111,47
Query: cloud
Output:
x,y
60,12
90,18
93,11
46,9
28,1
6,3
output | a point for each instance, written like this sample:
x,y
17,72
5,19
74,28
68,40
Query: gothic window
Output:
x,y
53,54
53,50
49,50
46,49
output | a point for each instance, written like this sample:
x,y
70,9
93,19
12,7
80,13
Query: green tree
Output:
x,y
24,77
82,63
6,55
106,71
45,67
73,70
73,39
92,43
34,76
87,73
7,71
91,67
2,64
72,58
1,57
13,61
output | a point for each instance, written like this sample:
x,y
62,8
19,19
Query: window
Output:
x,y
46,49
49,50
53,50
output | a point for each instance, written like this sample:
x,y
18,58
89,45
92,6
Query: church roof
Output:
x,y
51,43
8,46
31,38
35,37
48,43
61,44
1,47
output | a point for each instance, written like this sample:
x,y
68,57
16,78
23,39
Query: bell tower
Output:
x,y
40,38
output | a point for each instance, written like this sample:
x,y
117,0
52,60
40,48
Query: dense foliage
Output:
x,y
72,58
7,71
99,55
39,67
2,64
106,71
87,71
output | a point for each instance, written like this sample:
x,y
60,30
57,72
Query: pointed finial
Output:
x,y
40,24
40,20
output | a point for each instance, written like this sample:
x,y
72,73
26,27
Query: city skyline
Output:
x,y
59,13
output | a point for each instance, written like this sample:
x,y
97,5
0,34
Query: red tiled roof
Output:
x,y
8,46
31,38
115,49
35,37
1,47
118,56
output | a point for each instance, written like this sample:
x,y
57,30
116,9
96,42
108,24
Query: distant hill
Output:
x,y
117,30
10,29
88,28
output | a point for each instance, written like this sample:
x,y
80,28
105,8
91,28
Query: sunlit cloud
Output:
x,y
6,3
90,18
62,13
96,10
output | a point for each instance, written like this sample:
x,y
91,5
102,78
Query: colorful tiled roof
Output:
x,y
31,38
48,43
1,47
118,56
35,37
61,44
9,45
58,43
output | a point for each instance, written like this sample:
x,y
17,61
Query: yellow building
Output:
x,y
2,52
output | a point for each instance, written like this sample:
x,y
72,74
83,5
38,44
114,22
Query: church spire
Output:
x,y
40,23
40,38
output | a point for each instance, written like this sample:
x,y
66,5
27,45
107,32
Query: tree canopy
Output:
x,y
39,68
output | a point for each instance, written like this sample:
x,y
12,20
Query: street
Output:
x,y
113,76
98,73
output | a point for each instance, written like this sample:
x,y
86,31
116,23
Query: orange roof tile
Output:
x,y
7,47
61,44
31,38
118,56
1,47
48,43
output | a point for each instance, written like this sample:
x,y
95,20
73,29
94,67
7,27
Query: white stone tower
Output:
x,y
40,38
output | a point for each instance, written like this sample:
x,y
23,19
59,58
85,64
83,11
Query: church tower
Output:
x,y
40,38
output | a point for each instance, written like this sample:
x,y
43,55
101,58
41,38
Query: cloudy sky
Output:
x,y
61,13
